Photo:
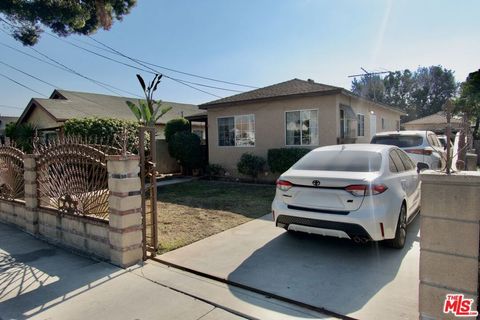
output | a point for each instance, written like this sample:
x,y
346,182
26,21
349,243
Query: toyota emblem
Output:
x,y
316,183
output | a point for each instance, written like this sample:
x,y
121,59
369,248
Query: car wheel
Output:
x,y
401,232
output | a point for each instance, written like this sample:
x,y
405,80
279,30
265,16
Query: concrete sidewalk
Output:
x,y
40,281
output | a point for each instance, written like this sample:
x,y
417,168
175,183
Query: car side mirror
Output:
x,y
421,166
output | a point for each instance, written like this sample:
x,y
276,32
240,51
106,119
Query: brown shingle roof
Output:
x,y
287,88
84,104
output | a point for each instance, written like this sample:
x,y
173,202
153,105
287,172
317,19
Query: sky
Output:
x,y
255,43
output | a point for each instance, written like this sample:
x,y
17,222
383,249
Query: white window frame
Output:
x,y
234,125
285,129
358,124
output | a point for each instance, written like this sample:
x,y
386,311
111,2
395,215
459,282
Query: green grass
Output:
x,y
188,212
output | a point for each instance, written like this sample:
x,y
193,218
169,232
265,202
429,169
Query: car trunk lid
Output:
x,y
324,190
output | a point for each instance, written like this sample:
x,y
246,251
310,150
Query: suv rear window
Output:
x,y
340,160
401,141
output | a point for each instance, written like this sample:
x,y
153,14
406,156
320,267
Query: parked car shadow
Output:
x,y
336,274
35,276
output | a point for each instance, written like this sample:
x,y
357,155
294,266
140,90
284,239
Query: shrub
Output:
x,y
250,165
185,147
214,170
176,125
280,160
101,128
22,135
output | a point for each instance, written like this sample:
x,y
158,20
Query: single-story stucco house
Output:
x,y
436,122
49,115
295,113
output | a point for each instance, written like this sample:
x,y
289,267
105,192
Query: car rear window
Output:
x,y
401,141
340,160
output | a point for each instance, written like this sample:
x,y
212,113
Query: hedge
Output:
x,y
280,160
251,165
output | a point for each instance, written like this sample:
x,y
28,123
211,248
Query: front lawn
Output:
x,y
190,211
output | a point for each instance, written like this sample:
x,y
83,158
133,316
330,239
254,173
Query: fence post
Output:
x,y
125,216
31,195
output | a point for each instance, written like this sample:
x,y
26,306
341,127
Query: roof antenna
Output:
x,y
368,74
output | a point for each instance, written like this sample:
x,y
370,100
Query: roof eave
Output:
x,y
207,106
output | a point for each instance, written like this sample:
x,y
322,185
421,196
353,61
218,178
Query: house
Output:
x,y
295,113
49,115
436,122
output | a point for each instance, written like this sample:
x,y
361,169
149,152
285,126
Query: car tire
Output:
x,y
401,231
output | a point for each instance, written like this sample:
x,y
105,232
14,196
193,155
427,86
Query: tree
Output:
x,y
186,148
22,135
148,111
176,125
432,87
25,18
419,93
469,100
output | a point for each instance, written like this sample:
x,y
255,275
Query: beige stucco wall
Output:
x,y
41,119
270,124
269,127
366,108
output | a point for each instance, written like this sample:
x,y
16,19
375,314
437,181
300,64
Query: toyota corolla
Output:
x,y
362,192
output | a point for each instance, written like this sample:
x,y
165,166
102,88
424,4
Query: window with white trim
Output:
x,y
360,125
236,131
301,128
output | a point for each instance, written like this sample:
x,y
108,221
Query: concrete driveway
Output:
x,y
361,281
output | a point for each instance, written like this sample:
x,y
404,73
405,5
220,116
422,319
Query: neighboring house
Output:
x,y
50,114
4,120
294,113
436,122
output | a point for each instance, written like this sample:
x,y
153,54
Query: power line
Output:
x,y
142,64
10,107
20,84
166,68
137,68
29,75
63,67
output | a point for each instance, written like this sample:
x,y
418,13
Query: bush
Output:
x,y
22,135
176,125
251,165
101,128
280,160
215,170
185,147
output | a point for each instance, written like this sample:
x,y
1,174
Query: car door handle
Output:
x,y
404,183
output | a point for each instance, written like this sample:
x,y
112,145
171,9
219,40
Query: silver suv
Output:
x,y
421,146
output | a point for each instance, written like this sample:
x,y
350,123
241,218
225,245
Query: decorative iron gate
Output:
x,y
148,180
72,177
12,184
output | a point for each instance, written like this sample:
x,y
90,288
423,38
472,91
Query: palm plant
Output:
x,y
148,111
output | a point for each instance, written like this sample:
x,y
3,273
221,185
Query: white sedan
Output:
x,y
361,192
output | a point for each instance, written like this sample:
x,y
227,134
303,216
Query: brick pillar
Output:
x,y
449,240
125,220
31,195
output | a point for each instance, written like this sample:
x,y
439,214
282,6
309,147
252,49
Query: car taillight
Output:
x,y
360,190
425,152
284,185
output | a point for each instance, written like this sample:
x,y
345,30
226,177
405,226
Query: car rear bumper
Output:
x,y
365,223
350,229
